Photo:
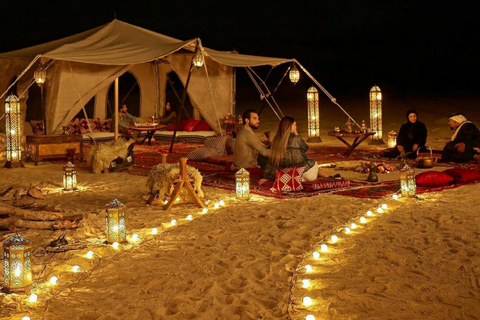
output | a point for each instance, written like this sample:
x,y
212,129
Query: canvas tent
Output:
x,y
84,65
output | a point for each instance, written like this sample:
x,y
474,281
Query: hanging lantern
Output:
x,y
313,125
392,139
17,264
376,115
40,75
115,222
408,187
294,74
242,178
198,58
13,136
69,177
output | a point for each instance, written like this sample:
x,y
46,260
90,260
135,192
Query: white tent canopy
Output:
x,y
85,65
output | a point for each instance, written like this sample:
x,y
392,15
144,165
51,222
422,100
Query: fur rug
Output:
x,y
99,157
162,175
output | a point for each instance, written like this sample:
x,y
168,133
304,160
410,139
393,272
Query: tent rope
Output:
x,y
269,93
262,94
21,75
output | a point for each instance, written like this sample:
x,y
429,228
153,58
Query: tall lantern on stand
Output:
x,y
40,75
242,178
392,139
69,177
13,132
376,115
313,126
408,186
294,74
115,226
17,264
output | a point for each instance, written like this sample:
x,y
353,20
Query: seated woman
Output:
x,y
170,114
411,137
289,150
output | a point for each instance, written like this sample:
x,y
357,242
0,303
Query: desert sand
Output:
x,y
418,260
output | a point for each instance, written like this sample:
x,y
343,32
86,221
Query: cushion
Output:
x,y
230,145
217,143
105,125
462,174
74,127
181,126
190,124
322,183
288,179
37,126
201,153
83,125
202,126
433,179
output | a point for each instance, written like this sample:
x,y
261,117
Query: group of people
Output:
x,y
288,148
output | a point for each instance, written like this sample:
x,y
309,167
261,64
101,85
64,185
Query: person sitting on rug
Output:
x,y
465,139
411,137
170,114
126,120
289,150
249,151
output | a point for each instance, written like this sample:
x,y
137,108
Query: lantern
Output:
x,y
242,178
69,177
376,115
13,135
392,139
198,58
17,264
408,187
313,125
40,75
115,222
294,74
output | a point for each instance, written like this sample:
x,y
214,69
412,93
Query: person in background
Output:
x,y
126,120
289,150
170,114
465,140
412,135
247,146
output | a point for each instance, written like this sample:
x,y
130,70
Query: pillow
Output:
x,y
74,127
171,127
217,143
325,183
462,174
433,179
230,145
83,125
190,124
201,154
202,126
105,125
288,179
37,126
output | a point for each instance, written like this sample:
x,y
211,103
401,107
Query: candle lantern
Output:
x,y
376,115
198,58
17,264
13,135
242,178
392,139
408,186
313,116
115,222
294,74
69,177
40,75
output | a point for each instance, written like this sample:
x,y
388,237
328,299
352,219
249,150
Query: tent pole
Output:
x,y
116,109
269,94
263,96
278,84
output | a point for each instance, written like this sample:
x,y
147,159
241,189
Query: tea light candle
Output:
x,y
75,268
307,301
115,245
204,210
363,220
53,280
316,255
334,238
308,268
353,225
222,203
369,213
305,283
347,230
154,231
90,254
173,222
379,210
189,217
324,248
310,317
384,206
33,297
135,237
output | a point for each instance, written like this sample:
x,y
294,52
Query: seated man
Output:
x,y
125,120
466,137
248,146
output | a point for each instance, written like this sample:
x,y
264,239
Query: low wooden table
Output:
x,y
358,138
54,146
150,131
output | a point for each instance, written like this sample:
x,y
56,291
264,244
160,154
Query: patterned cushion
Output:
x,y
37,126
201,153
83,125
325,183
288,179
74,127
105,125
217,143
230,145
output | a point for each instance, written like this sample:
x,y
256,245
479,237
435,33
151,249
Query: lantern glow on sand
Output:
x,y
242,188
408,186
69,177
376,115
313,124
115,222
17,264
294,74
392,139
13,134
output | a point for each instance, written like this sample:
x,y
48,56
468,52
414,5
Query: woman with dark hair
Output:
x,y
289,150
170,114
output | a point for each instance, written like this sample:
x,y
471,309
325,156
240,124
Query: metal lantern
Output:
x,y
17,264
115,222
294,74
69,177
13,135
198,58
313,125
376,115
242,178
40,75
408,186
392,139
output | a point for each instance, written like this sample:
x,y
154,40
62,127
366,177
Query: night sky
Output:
x,y
407,46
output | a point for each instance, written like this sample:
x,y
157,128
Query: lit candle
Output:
x,y
178,199
33,297
17,272
90,254
310,317
334,238
216,205
347,230
308,268
189,217
134,237
75,268
166,201
379,210
115,245
221,202
395,196
26,318
154,230
324,248
363,220
353,225
316,255
307,301
384,206
53,280
369,213
173,222
305,283
204,210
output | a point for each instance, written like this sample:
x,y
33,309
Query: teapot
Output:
x,y
425,161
